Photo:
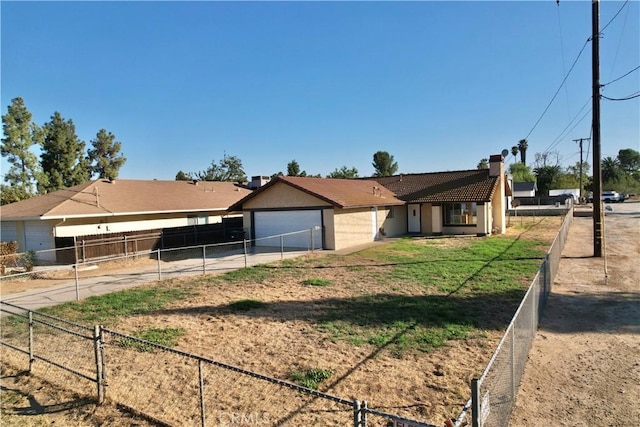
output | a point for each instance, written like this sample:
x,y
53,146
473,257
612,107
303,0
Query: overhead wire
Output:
x,y
621,77
561,136
626,98
560,87
624,26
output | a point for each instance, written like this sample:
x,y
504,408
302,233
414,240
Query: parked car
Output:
x,y
612,197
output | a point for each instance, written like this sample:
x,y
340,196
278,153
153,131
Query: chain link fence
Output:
x,y
164,385
148,266
493,394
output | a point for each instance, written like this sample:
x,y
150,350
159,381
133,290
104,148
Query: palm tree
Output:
x,y
514,150
522,146
610,170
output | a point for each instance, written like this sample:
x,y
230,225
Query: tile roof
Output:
x,y
122,197
342,193
439,187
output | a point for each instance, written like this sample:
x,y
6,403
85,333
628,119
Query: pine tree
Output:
x,y
63,161
20,135
105,157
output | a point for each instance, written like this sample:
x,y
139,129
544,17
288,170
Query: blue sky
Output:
x,y
439,85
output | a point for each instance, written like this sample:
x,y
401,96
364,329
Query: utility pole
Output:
x,y
580,141
597,165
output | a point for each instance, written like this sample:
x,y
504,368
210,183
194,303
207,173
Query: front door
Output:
x,y
414,218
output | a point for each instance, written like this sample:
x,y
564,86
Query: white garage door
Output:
x,y
299,223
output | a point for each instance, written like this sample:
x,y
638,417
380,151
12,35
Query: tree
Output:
x,y
521,173
105,157
181,176
547,177
63,161
514,150
293,169
344,173
629,160
483,164
20,134
229,169
522,147
383,164
611,170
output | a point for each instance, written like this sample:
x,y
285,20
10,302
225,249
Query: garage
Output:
x,y
306,226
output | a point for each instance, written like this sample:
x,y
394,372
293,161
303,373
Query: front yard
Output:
x,y
405,325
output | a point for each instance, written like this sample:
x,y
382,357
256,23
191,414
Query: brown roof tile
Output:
x,y
343,193
122,197
440,187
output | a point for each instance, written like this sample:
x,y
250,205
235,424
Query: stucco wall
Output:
x,y
353,227
329,228
395,225
119,224
283,196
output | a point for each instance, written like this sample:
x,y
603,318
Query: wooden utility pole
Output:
x,y
580,141
597,165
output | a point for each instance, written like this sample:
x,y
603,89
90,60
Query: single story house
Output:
x,y
338,213
319,212
524,189
455,202
103,209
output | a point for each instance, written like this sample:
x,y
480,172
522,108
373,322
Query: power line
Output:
x,y
614,16
557,91
627,98
562,136
621,77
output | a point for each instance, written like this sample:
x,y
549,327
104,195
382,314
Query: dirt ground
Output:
x,y
584,367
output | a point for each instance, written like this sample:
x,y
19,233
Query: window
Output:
x,y
461,213
196,220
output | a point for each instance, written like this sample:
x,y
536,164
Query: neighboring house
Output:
x,y
457,202
524,189
320,212
103,208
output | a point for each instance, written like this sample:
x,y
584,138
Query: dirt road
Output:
x,y
584,367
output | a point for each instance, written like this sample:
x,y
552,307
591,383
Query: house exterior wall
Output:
x,y
436,219
393,220
120,224
8,231
353,227
329,228
283,196
426,213
517,194
484,220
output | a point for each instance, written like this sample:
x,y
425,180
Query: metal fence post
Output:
x,y
513,363
75,268
312,242
203,417
97,348
244,243
475,403
159,270
356,413
281,247
124,239
204,259
84,251
363,414
31,358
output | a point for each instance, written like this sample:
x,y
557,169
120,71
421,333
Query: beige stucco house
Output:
x,y
320,212
104,209
456,202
